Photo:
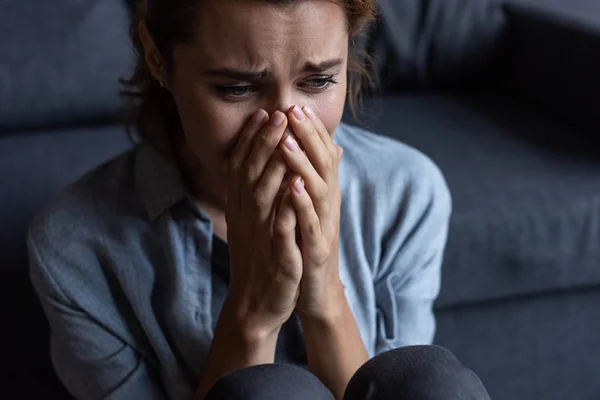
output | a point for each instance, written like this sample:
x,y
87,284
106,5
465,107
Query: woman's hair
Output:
x,y
151,109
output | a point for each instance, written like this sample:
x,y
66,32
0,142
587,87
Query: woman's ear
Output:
x,y
152,56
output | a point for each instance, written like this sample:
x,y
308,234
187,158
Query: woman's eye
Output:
x,y
234,91
321,82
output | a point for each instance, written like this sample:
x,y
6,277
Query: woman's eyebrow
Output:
x,y
251,76
322,66
237,74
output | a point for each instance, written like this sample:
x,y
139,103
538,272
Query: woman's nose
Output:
x,y
280,100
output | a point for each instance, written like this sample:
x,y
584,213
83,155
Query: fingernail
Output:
x,y
309,112
299,185
298,113
277,118
260,116
291,144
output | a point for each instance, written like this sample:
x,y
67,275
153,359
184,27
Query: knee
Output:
x,y
415,373
269,381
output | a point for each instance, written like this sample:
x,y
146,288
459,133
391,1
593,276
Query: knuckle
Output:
x,y
313,228
307,207
319,254
250,176
267,139
248,133
322,253
260,199
286,260
282,229
322,192
327,163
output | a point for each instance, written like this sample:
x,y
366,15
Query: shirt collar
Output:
x,y
158,181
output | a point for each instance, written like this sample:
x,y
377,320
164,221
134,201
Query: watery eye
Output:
x,y
321,82
235,91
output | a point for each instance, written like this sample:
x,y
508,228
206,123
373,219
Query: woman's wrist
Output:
x,y
328,312
235,346
257,340
333,343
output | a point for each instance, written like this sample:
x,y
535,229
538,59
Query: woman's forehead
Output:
x,y
258,32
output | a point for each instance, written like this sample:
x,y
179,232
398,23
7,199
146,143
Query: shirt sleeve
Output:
x,y
90,361
407,281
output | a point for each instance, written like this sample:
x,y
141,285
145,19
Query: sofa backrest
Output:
x,y
60,62
439,43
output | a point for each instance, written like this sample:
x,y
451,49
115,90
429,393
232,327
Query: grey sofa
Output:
x,y
504,96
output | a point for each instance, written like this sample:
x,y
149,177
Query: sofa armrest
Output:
x,y
556,60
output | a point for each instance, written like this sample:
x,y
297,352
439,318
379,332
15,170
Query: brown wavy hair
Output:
x,y
151,113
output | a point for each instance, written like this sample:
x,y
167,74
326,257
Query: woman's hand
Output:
x,y
317,204
334,347
266,263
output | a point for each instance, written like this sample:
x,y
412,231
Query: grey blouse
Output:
x,y
132,278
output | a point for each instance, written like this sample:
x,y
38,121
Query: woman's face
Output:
x,y
250,55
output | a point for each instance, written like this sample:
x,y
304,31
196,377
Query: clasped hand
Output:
x,y
273,273
317,208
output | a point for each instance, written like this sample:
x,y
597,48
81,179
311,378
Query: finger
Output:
x,y
284,226
263,146
242,150
316,149
244,143
310,225
340,151
320,128
268,188
325,136
316,187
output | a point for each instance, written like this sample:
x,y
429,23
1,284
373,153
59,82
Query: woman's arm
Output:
x,y
408,276
235,347
90,360
334,348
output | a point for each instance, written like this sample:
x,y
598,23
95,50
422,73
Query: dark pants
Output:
x,y
408,373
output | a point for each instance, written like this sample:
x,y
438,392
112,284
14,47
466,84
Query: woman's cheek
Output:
x,y
210,123
230,121
329,109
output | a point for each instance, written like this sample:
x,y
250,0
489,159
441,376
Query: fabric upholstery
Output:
x,y
438,43
526,193
61,61
535,347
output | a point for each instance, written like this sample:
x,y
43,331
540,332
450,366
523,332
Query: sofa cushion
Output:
x,y
526,193
441,43
529,348
33,168
61,61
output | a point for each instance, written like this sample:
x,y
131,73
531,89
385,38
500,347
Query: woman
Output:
x,y
236,236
